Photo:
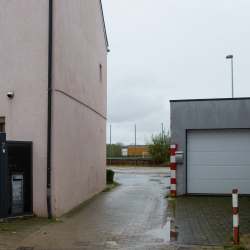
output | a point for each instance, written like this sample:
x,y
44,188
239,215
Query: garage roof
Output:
x,y
211,99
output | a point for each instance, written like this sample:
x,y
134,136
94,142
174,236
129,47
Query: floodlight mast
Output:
x,y
231,57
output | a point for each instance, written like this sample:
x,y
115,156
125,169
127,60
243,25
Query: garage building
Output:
x,y
213,136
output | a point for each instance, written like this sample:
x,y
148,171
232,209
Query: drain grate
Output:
x,y
25,248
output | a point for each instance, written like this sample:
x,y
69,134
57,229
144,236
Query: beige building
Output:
x,y
141,150
73,51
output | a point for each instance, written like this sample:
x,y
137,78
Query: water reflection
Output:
x,y
142,179
167,232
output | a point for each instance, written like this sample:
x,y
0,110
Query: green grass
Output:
x,y
173,203
239,247
132,157
5,229
52,220
135,166
106,189
231,238
125,166
167,196
23,218
226,245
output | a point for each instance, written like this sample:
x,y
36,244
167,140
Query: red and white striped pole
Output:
x,y
235,216
172,230
173,149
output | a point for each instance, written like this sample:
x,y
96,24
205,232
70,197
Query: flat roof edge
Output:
x,y
211,99
104,26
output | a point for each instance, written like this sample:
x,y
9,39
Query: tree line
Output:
x,y
116,149
158,147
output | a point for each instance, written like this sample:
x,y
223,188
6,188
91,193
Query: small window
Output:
x,y
2,124
100,69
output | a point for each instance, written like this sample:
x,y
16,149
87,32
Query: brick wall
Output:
x,y
139,162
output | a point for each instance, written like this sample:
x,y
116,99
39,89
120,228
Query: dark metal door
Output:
x,y
3,176
19,178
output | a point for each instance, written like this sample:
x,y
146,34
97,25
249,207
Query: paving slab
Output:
x,y
122,218
208,220
135,215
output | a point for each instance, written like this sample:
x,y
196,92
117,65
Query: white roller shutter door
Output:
x,y
218,161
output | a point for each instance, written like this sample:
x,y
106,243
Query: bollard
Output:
x,y
235,216
173,149
172,230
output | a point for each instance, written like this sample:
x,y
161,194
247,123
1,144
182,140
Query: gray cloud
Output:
x,y
163,50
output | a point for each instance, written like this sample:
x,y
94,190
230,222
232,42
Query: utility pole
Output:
x,y
162,130
135,144
110,145
162,137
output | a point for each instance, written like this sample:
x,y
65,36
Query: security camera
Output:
x,y
10,94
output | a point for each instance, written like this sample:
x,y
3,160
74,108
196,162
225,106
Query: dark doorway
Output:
x,y
19,178
3,174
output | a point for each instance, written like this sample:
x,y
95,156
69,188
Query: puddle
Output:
x,y
110,244
167,232
142,180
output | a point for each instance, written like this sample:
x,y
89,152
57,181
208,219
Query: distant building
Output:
x,y
141,150
124,151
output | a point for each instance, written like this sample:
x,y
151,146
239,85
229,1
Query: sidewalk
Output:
x,y
119,219
132,216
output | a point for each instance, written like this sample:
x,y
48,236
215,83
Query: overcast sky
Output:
x,y
165,50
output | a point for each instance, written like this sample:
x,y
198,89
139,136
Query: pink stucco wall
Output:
x,y
79,104
79,99
24,60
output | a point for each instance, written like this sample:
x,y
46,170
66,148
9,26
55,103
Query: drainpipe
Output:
x,y
49,110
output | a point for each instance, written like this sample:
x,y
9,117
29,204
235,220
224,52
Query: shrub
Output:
x,y
110,176
159,147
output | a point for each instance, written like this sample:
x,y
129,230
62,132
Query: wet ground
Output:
x,y
208,220
141,170
131,216
146,180
135,215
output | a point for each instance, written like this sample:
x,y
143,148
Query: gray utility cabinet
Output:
x,y
17,193
214,135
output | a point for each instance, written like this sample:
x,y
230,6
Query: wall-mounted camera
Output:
x,y
10,94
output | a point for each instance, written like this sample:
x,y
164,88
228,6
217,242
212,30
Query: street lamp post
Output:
x,y
231,57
